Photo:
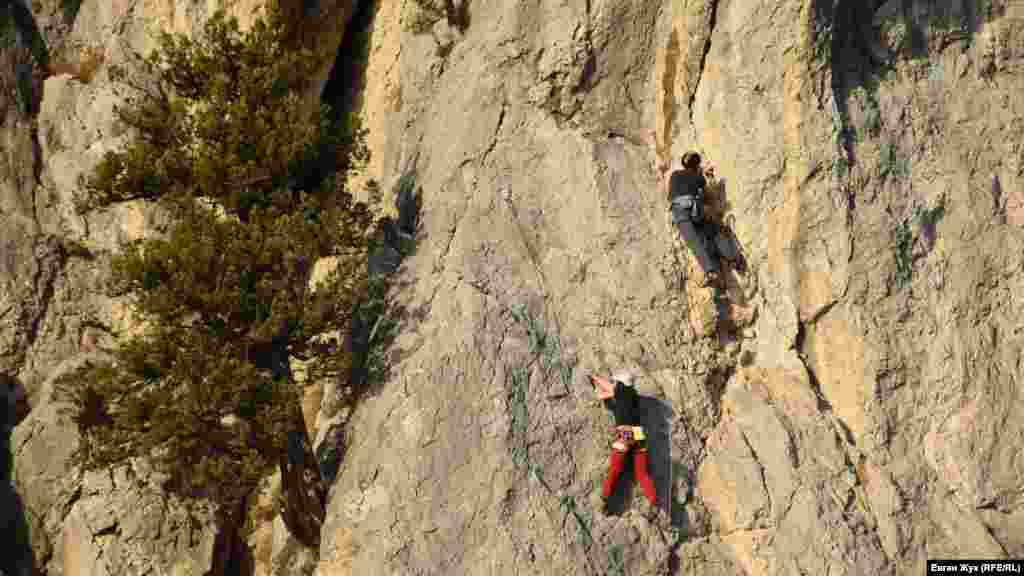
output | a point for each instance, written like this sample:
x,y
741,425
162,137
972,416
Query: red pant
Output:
x,y
618,463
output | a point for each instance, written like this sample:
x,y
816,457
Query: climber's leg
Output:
x,y
640,461
615,467
696,241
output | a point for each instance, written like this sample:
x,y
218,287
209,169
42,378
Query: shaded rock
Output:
x,y
17,559
41,446
114,522
29,270
79,317
289,557
18,99
13,402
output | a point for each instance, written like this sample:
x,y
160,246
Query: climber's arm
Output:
x,y
604,387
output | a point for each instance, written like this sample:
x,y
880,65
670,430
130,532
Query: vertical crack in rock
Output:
x,y
843,13
30,84
590,59
824,406
531,250
704,56
49,259
37,169
440,265
497,132
764,479
818,315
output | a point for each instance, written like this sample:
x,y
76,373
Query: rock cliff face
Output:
x,y
844,403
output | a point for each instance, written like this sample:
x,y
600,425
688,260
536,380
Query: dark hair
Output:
x,y
691,160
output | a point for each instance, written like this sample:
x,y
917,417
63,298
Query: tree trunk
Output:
x,y
302,488
231,555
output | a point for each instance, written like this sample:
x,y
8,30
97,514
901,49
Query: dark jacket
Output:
x,y
686,183
624,405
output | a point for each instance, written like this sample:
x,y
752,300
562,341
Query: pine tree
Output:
x,y
226,146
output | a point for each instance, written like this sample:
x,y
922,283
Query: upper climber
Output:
x,y
686,190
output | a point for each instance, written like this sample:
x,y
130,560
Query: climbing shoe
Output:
x,y
710,279
653,514
599,502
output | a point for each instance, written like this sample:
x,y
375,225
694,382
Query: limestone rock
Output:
x,y
109,522
18,98
262,513
855,414
40,448
29,271
123,523
860,230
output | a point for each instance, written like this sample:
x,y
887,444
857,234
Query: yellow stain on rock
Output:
x,y
339,563
717,491
667,70
381,95
815,292
784,221
745,546
837,358
788,389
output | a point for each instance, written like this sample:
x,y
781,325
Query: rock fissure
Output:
x,y
712,21
72,499
824,406
111,530
766,512
49,264
497,132
440,265
821,312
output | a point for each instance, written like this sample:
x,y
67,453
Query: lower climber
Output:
x,y
620,397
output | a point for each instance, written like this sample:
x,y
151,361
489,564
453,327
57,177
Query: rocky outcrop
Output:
x,y
109,522
834,407
122,523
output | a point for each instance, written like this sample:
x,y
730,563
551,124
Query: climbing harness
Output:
x,y
627,436
691,205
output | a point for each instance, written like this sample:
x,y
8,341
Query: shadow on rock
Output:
x,y
18,19
17,558
727,249
380,317
869,39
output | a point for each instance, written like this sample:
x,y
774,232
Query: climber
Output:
x,y
686,196
620,397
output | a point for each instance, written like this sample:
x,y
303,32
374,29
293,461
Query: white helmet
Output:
x,y
623,376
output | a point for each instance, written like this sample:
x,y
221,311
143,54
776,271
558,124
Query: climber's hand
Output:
x,y
603,387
